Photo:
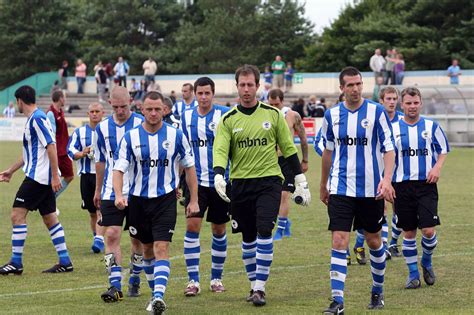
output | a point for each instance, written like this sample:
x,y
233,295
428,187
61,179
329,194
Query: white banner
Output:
x,y
11,129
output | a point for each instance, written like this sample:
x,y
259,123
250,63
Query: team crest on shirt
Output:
x,y
266,125
132,230
212,126
175,125
166,144
365,123
234,224
425,134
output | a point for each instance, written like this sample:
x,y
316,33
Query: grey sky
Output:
x,y
323,12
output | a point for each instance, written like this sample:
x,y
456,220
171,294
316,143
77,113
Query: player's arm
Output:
x,y
220,153
121,165
187,162
327,135
441,146
52,121
385,137
302,194
435,173
99,166
53,161
299,127
7,174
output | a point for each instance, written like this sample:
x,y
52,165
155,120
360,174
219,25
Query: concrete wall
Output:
x,y
317,83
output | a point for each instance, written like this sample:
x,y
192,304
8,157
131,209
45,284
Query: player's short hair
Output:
x,y
188,84
276,93
412,91
204,81
168,102
348,71
26,94
57,95
247,70
154,95
387,90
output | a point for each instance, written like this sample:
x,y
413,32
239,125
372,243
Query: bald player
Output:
x,y
80,148
293,119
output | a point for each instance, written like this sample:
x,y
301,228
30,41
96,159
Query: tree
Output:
x,y
34,40
427,32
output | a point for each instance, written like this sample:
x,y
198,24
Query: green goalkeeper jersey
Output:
x,y
249,137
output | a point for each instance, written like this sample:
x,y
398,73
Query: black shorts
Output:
x,y
289,182
111,215
416,205
87,192
254,206
35,196
360,213
152,219
208,198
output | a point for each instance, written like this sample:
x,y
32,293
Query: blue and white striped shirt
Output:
x,y
80,139
201,131
181,106
109,135
397,117
417,148
152,160
37,136
319,143
357,139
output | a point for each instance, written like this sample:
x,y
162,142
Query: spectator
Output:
x,y
320,108
63,73
101,79
266,89
136,91
173,96
121,70
56,86
454,71
289,72
9,111
311,106
298,106
109,71
399,69
389,64
149,69
136,107
268,75
81,75
278,67
377,87
377,63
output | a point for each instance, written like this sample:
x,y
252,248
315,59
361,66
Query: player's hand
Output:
x,y
220,184
324,194
89,151
121,202
304,166
5,176
56,183
192,209
302,195
433,175
97,199
385,191
178,193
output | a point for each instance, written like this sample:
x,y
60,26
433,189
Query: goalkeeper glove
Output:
x,y
302,195
220,185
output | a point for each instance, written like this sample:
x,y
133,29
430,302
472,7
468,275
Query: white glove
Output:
x,y
220,184
302,195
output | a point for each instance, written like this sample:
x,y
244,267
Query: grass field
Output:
x,y
299,279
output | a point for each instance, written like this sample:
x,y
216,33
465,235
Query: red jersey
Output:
x,y
62,134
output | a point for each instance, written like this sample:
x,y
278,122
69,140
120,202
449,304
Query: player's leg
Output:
x,y
384,233
218,215
370,213
87,187
284,223
56,232
19,232
192,244
396,231
149,269
98,243
161,275
112,221
410,252
268,198
136,267
341,216
67,173
359,249
428,219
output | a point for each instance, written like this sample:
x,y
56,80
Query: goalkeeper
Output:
x,y
249,134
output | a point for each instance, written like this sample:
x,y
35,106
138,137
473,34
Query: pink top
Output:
x,y
81,71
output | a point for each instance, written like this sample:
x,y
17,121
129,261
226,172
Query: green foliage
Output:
x,y
427,32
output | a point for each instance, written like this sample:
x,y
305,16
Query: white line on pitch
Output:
x,y
204,274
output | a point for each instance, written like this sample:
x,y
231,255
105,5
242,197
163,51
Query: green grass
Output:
x,y
299,279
